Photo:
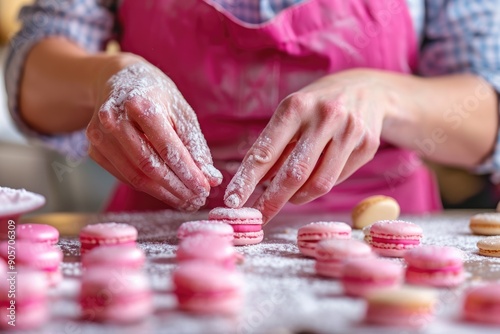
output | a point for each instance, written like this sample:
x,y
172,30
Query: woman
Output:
x,y
311,101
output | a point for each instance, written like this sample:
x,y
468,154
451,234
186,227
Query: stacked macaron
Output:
x,y
113,287
246,224
206,280
331,255
482,304
38,256
309,235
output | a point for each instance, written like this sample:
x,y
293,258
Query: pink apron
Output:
x,y
235,74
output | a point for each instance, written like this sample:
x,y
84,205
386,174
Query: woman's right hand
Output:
x,y
145,134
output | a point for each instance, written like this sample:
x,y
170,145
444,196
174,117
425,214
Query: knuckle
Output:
x,y
108,122
138,181
262,152
321,186
292,106
146,165
331,110
297,173
135,106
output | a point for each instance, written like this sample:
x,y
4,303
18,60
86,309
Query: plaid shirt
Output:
x,y
456,36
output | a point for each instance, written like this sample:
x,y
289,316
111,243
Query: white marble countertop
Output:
x,y
282,292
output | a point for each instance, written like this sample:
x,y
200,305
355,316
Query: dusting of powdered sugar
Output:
x,y
146,84
17,201
282,292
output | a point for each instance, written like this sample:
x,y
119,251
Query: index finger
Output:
x,y
263,154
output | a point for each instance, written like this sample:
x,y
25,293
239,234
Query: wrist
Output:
x,y
103,67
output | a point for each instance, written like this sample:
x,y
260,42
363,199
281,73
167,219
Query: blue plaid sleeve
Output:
x,y
88,23
464,37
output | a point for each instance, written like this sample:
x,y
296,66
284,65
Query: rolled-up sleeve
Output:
x,y
88,23
464,37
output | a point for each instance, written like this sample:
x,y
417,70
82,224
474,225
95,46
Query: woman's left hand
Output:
x,y
316,139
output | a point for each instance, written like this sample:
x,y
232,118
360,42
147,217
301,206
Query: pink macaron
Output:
x,y
39,256
205,227
37,233
246,223
482,304
309,235
436,266
362,276
331,255
106,234
30,309
119,256
208,248
393,238
203,287
115,295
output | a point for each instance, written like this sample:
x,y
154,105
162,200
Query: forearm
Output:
x,y
449,119
59,85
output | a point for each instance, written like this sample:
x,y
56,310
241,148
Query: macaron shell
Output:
x,y
373,209
222,213
489,246
205,227
120,256
485,223
37,233
324,230
248,238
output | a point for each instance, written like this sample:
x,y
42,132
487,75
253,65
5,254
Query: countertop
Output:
x,y
282,292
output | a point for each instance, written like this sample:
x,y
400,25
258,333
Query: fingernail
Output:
x,y
213,172
202,192
199,201
233,201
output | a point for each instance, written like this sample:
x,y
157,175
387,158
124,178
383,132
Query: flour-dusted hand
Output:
x,y
147,135
316,138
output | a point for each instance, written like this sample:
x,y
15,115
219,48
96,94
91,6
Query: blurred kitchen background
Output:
x,y
87,186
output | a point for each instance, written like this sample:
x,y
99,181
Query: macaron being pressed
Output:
x,y
482,304
205,227
373,209
489,246
31,309
393,238
485,223
401,307
39,256
436,266
331,255
209,248
361,276
207,288
115,295
309,235
246,223
107,234
37,233
119,256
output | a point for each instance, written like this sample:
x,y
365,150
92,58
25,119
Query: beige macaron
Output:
x,y
485,223
489,246
373,209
